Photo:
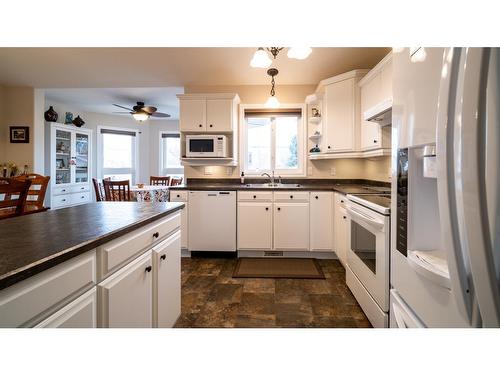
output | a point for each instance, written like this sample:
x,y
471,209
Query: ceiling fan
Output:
x,y
142,112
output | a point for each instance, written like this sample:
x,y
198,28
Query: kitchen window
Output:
x,y
170,154
273,141
117,154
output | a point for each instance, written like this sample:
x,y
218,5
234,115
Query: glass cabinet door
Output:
x,y
81,157
63,157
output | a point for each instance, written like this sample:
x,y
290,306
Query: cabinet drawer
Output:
x,y
31,300
291,196
79,188
116,253
255,196
58,190
178,196
61,201
78,198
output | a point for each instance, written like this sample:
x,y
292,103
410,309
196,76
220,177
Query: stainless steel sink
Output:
x,y
272,186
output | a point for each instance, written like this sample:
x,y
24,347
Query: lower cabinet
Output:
x,y
182,196
81,313
341,235
321,221
167,281
125,298
291,226
255,225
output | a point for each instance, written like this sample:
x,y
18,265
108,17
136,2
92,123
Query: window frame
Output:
x,y
301,142
161,167
133,171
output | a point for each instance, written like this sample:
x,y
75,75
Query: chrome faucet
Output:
x,y
271,178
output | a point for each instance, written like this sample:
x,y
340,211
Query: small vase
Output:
x,y
69,118
51,115
78,122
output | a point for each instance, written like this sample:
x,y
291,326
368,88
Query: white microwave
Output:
x,y
206,146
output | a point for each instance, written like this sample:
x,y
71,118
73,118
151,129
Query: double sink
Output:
x,y
272,186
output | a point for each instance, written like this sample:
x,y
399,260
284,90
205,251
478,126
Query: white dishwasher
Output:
x,y
212,221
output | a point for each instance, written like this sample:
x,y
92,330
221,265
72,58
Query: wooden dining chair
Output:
x,y
176,181
161,180
36,193
117,191
13,195
100,195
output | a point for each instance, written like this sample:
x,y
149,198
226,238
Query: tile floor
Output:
x,y
212,298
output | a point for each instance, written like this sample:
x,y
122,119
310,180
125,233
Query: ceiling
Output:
x,y
101,100
169,67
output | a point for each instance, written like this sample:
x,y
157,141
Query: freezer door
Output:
x,y
477,142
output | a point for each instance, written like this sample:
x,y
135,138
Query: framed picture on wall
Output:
x,y
19,134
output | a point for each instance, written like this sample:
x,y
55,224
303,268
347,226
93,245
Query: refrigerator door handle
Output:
x,y
450,229
471,125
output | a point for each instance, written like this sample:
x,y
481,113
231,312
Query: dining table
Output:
x,y
150,193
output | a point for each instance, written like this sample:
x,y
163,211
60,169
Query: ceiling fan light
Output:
x,y
260,59
272,102
299,53
140,116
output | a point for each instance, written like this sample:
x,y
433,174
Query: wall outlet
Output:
x,y
229,171
208,171
333,171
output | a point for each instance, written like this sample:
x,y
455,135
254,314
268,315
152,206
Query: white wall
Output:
x,y
148,138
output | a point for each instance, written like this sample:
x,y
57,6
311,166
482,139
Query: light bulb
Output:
x,y
272,102
140,116
299,53
260,59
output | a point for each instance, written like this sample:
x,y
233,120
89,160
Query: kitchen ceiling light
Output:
x,y
260,59
140,116
272,101
299,53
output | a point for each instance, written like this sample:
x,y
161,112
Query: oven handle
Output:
x,y
379,224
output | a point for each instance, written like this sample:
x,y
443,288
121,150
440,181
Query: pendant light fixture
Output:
x,y
299,53
261,57
272,101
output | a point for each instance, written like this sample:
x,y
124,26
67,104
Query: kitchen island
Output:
x,y
100,264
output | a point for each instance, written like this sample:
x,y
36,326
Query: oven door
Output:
x,y
200,146
368,251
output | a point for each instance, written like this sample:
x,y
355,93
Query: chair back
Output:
x,y
13,195
117,191
100,195
36,193
176,181
161,180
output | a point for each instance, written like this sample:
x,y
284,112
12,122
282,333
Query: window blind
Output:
x,y
118,132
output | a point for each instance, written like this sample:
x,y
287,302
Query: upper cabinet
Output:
x,y
211,113
376,89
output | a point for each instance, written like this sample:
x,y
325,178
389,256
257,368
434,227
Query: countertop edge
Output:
x,y
32,269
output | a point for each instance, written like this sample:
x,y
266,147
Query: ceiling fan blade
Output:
x,y
159,114
120,106
149,109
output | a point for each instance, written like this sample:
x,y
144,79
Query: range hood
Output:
x,y
380,113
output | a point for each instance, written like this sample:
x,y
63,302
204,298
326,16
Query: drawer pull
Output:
x,y
341,201
83,196
267,208
291,196
63,190
200,125
163,257
156,234
148,269
254,197
316,197
211,126
63,200
344,217
178,196
279,209
374,141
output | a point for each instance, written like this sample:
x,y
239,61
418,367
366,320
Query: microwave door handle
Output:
x,y
355,213
472,180
448,216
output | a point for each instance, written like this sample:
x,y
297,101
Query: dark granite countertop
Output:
x,y
33,243
341,186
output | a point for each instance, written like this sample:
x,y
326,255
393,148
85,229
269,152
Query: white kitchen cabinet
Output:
x,y
255,223
125,298
216,113
81,313
291,226
192,115
182,196
167,281
341,236
321,221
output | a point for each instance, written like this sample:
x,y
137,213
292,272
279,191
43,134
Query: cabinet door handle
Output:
x,y
267,208
178,196
254,197
211,125
329,147
279,209
163,257
156,234
148,269
341,201
316,197
200,125
291,196
374,141
344,217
